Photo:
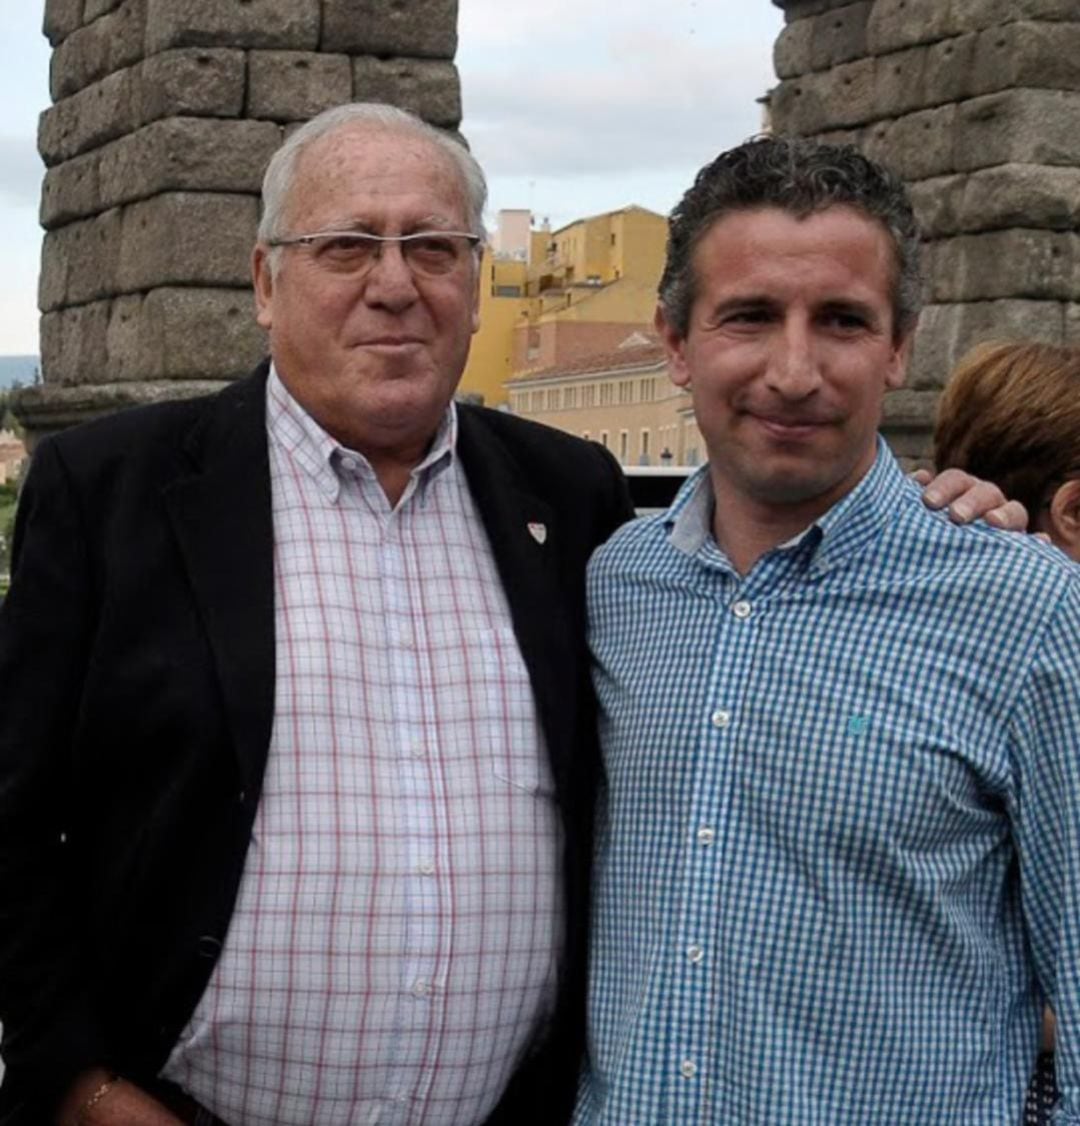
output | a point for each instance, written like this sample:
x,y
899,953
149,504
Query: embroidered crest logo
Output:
x,y
538,532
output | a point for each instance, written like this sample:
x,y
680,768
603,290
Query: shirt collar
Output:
x,y
325,460
841,531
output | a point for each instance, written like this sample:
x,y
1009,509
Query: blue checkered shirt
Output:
x,y
839,863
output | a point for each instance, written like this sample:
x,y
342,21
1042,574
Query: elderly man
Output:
x,y
296,736
840,867
296,733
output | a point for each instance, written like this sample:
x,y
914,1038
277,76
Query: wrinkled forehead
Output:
x,y
361,174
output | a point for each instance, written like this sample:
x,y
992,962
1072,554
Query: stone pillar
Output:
x,y
165,113
976,103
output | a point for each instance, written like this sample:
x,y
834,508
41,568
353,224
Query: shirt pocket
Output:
x,y
507,725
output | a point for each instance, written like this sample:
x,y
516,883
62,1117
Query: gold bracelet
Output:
x,y
95,1098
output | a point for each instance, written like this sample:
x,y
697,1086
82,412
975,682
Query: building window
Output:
x,y
647,389
586,434
569,398
604,438
643,458
538,400
605,394
553,400
624,446
626,392
508,291
588,395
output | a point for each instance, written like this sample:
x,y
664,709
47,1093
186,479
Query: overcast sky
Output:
x,y
572,109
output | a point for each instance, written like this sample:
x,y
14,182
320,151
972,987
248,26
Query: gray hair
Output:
x,y
800,176
281,171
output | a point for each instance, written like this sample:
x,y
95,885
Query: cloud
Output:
x,y
21,172
650,102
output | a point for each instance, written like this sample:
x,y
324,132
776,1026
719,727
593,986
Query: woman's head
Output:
x,y
1010,413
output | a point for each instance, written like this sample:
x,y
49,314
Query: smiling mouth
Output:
x,y
793,429
389,342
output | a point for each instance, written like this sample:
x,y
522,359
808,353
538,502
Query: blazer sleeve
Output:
x,y
45,625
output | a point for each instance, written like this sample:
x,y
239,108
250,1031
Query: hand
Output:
x,y
968,499
123,1104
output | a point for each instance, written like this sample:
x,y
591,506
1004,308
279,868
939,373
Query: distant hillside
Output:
x,y
17,368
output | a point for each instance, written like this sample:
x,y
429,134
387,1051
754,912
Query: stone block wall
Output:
x,y
164,115
976,103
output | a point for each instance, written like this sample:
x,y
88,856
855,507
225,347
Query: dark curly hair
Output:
x,y
800,176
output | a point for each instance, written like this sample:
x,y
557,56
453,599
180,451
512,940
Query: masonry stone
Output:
x,y
296,85
73,341
183,333
187,154
62,17
258,24
429,88
163,241
804,9
792,49
99,48
101,112
420,28
947,331
94,8
71,190
199,81
839,36
1007,195
917,145
1021,262
1021,125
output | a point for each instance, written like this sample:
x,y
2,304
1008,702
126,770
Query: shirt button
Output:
x,y
426,867
705,835
741,610
350,464
694,954
721,718
688,1069
421,987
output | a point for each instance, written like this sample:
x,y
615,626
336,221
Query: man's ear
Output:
x,y
675,346
898,365
1062,522
263,278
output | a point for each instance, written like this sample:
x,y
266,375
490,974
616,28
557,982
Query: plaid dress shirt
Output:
x,y
394,944
841,859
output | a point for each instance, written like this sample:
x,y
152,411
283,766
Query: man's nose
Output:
x,y
794,371
389,281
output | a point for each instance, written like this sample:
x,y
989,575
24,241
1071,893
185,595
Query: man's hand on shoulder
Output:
x,y
96,1099
968,498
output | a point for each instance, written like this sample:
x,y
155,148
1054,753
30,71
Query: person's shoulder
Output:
x,y
636,540
993,558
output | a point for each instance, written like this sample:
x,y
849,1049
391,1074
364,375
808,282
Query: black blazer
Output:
x,y
136,700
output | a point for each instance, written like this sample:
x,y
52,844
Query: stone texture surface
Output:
x,y
420,28
429,88
947,331
97,49
296,85
162,241
183,333
266,24
62,17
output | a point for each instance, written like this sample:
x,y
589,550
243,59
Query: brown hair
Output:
x,y
1010,414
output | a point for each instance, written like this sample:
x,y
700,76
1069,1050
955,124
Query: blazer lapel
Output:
x,y
523,533
222,519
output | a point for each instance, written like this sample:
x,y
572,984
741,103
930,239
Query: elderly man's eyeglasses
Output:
x,y
428,254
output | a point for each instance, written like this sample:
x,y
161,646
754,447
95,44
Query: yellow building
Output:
x,y
556,297
622,399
